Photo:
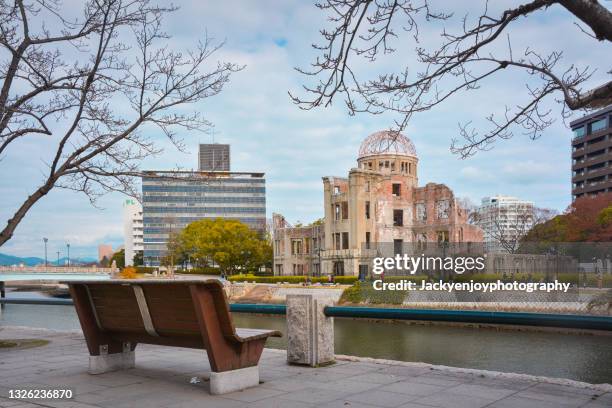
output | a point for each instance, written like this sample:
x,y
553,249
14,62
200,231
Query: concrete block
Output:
x,y
310,334
105,363
234,380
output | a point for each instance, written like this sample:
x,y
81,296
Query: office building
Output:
x,y
214,157
504,221
379,202
173,199
132,230
592,154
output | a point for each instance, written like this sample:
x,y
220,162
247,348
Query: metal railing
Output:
x,y
453,316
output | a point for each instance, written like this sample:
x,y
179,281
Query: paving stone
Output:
x,y
520,402
381,398
254,394
378,378
483,391
449,400
410,388
163,378
278,403
316,395
551,396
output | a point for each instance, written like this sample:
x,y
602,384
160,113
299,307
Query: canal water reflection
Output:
x,y
580,357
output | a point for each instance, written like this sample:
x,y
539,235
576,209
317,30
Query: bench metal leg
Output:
x,y
104,362
233,380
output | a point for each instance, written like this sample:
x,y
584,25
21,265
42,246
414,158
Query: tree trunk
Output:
x,y
12,223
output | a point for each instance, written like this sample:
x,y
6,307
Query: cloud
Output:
x,y
295,148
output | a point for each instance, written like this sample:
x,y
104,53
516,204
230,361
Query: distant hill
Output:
x,y
7,260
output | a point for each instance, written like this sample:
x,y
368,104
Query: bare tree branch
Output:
x,y
367,28
94,107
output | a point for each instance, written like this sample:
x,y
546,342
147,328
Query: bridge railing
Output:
x,y
56,269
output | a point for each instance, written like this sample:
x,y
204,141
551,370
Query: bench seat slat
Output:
x,y
252,334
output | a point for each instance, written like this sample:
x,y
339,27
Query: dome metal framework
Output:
x,y
387,142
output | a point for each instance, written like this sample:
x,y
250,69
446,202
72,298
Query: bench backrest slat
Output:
x,y
116,308
170,307
171,310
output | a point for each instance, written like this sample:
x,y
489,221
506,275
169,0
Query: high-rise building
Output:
x,y
105,251
504,221
214,157
173,199
592,154
132,230
379,203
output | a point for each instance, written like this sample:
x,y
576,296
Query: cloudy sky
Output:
x,y
296,148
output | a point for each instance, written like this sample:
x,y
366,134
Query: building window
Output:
x,y
421,212
367,240
398,218
345,240
337,212
387,164
345,211
579,132
336,189
277,247
339,268
363,271
367,210
316,269
298,269
409,168
398,245
598,125
443,209
337,241
279,269
367,186
396,189
392,166
296,247
442,236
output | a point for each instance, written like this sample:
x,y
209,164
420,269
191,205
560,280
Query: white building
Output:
x,y
132,229
504,221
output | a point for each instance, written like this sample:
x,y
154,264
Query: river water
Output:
x,y
580,357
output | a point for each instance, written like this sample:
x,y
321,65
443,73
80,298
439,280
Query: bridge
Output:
x,y
56,269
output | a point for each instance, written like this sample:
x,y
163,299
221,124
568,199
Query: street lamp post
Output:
x,y
68,248
45,240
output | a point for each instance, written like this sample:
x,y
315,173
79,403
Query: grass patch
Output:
x,y
22,343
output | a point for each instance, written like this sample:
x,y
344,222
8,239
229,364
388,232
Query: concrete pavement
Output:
x,y
178,378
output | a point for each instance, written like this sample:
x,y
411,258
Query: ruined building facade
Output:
x,y
381,202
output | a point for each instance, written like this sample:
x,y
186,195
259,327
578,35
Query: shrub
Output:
x,y
345,280
128,273
290,279
145,269
363,292
202,270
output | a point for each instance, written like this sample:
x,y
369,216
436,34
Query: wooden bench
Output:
x,y
116,315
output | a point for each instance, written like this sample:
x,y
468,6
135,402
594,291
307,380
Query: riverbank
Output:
x,y
276,293
173,377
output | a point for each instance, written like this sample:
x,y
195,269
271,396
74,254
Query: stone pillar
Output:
x,y
310,334
105,362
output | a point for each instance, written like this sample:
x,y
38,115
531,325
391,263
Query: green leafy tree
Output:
x,y
119,259
230,244
104,262
138,259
